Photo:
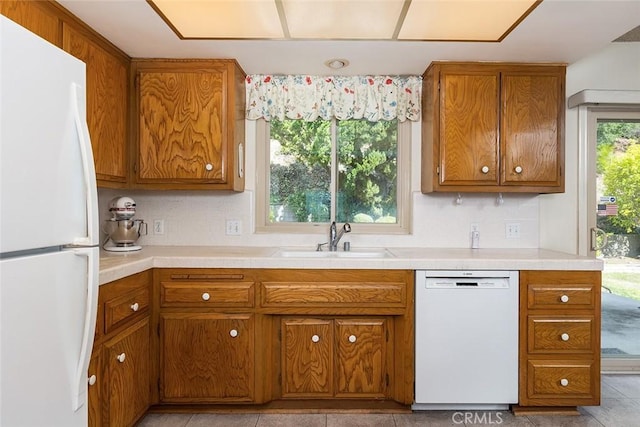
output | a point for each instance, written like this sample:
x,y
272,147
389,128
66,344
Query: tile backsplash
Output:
x,y
199,218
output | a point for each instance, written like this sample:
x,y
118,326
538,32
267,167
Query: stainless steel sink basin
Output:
x,y
312,253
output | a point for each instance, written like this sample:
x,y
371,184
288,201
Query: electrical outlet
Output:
x,y
512,230
158,226
234,227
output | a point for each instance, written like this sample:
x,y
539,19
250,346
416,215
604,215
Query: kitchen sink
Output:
x,y
312,253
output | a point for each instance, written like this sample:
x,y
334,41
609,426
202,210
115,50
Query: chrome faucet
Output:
x,y
335,235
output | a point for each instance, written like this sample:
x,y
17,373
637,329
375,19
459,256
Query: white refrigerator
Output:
x,y
48,234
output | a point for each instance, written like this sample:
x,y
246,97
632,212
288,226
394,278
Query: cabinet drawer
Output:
x,y
207,294
290,294
560,335
563,379
120,309
561,297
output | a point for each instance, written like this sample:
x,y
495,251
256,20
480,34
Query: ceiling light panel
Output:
x,y
472,20
342,19
230,19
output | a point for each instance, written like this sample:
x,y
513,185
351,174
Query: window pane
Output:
x,y
300,171
367,171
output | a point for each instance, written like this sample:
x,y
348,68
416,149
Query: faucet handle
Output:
x,y
320,245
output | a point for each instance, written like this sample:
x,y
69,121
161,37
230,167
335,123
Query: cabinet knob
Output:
x,y
233,333
135,306
485,169
206,296
92,380
315,338
352,338
121,357
565,337
564,298
209,167
564,382
518,169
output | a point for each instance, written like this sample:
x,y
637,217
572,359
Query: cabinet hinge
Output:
x,y
279,378
438,170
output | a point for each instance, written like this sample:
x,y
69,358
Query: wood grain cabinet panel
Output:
x,y
307,358
107,105
361,360
189,124
532,124
36,16
127,360
559,339
566,379
207,294
207,357
493,127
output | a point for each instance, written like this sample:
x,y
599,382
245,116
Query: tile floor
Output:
x,y
620,408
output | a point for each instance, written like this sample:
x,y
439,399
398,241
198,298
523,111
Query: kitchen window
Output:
x,y
310,173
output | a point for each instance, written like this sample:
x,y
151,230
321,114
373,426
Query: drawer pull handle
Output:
x,y
518,169
485,169
564,382
135,306
121,357
315,338
206,296
352,338
564,298
565,337
233,333
92,380
209,167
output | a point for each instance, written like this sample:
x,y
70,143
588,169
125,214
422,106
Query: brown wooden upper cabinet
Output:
x,y
107,101
107,77
189,124
493,127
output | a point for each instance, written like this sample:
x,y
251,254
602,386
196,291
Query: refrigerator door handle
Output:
x,y
79,387
88,169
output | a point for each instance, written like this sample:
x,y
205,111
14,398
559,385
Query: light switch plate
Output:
x,y
234,227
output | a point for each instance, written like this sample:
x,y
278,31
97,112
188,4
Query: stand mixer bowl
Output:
x,y
125,231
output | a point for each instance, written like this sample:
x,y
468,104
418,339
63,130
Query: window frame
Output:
x,y
403,183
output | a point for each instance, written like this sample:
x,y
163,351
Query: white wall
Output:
x,y
198,218
617,67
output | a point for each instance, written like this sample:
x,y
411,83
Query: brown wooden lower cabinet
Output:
x,y
559,339
206,357
126,359
341,357
120,370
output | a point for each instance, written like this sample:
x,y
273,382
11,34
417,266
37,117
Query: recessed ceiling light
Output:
x,y
336,64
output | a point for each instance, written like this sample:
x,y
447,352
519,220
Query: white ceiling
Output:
x,y
556,31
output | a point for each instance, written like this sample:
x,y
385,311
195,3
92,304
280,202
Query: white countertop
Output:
x,y
114,266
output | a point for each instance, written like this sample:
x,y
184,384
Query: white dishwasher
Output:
x,y
466,339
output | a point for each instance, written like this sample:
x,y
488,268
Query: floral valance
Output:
x,y
308,98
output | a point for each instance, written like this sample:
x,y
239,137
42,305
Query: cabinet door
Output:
x,y
469,127
307,358
206,357
182,122
107,80
361,369
127,360
95,386
532,129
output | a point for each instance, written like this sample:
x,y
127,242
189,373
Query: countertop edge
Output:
x,y
116,266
